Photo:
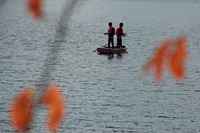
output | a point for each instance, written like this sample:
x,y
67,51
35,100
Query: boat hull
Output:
x,y
106,50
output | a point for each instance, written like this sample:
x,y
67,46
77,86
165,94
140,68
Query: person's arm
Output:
x,y
107,32
122,33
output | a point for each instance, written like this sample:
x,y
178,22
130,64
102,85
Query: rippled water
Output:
x,y
102,92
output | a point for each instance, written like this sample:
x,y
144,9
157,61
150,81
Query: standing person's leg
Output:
x,y
109,42
112,41
118,41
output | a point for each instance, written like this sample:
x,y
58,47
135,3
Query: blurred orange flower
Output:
x,y
54,100
20,109
34,8
171,52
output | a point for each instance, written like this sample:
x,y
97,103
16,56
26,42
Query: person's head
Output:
x,y
121,24
110,24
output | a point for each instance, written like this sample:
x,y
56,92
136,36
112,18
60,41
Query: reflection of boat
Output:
x,y
116,50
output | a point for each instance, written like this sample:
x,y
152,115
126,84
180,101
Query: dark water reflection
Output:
x,y
102,91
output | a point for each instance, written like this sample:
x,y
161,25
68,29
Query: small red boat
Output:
x,y
115,50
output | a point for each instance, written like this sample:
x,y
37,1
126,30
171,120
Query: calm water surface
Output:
x,y
102,92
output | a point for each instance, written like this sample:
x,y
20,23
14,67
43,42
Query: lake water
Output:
x,y
103,92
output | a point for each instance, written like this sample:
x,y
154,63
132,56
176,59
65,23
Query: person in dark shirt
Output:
x,y
120,33
110,33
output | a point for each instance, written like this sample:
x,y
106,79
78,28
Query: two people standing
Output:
x,y
111,32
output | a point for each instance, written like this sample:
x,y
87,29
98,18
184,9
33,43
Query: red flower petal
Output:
x,y
157,61
20,110
177,61
54,100
34,8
